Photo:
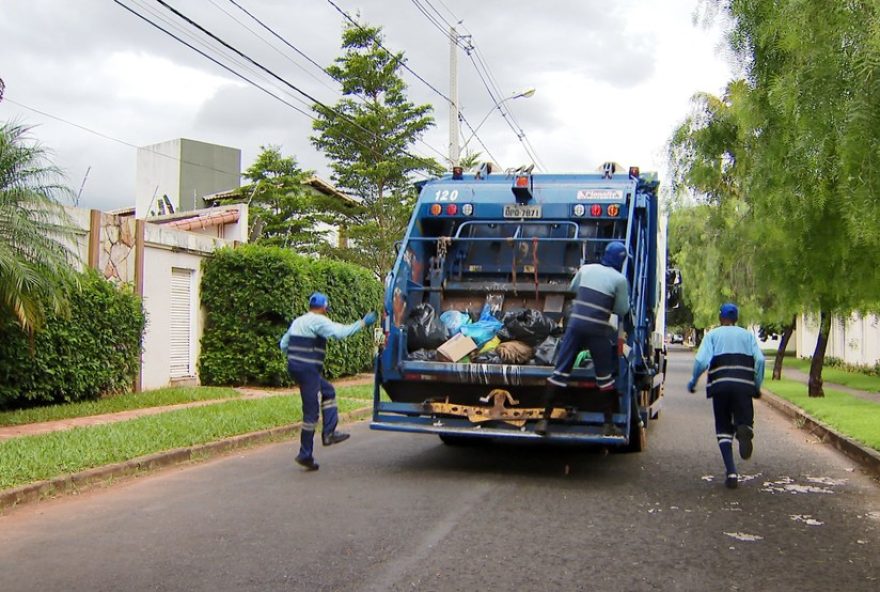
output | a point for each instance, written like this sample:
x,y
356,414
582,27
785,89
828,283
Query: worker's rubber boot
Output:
x,y
744,435
307,462
334,437
732,481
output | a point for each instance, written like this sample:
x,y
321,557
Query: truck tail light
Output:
x,y
595,210
451,209
467,209
613,210
580,210
436,209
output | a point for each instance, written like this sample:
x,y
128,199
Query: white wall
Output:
x,y
855,339
165,249
157,174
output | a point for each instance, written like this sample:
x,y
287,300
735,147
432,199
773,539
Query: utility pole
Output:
x,y
454,149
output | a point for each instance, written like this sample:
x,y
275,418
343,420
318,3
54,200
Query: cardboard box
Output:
x,y
456,348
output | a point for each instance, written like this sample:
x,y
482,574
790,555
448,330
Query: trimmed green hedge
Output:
x,y
91,351
252,293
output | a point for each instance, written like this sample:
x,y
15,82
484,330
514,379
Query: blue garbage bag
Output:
x,y
484,329
453,320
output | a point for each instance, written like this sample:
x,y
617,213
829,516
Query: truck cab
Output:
x,y
509,242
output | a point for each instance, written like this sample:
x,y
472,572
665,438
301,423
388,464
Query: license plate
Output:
x,y
518,211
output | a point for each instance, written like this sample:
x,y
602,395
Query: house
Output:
x,y
854,339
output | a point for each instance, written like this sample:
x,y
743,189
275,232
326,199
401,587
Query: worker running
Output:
x,y
736,369
305,345
601,289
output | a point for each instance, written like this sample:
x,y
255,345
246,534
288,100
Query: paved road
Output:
x,y
403,512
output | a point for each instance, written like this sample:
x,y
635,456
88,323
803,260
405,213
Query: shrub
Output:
x,y
252,293
91,351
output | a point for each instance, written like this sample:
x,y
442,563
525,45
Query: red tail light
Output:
x,y
595,210
451,209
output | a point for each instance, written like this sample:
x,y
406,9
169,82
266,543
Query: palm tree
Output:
x,y
36,237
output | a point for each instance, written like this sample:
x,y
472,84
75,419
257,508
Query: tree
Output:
x,y
367,135
35,234
722,244
813,71
282,211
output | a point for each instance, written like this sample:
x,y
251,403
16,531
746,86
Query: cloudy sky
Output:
x,y
612,79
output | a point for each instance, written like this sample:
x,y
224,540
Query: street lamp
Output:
x,y
529,92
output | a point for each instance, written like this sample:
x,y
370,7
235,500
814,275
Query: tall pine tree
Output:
x,y
368,135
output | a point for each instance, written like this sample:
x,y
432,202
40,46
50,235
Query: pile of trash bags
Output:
x,y
520,336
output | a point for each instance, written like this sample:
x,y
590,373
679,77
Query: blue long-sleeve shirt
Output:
x,y
606,280
316,325
728,340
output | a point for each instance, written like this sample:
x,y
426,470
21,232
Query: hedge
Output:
x,y
252,293
92,350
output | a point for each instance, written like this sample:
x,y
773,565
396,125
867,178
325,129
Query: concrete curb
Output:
x,y
867,458
76,482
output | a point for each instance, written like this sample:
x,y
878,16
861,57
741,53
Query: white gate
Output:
x,y
181,337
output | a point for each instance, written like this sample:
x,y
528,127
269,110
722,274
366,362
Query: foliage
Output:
x,y
34,458
93,350
368,141
35,233
252,293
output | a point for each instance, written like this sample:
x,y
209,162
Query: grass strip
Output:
x,y
34,458
854,380
116,403
855,417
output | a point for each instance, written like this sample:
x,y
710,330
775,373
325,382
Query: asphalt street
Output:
x,y
404,512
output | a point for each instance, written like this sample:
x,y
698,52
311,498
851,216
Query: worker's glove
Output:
x,y
692,387
369,318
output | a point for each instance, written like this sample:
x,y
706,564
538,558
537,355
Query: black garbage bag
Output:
x,y
424,329
527,325
490,357
425,355
547,351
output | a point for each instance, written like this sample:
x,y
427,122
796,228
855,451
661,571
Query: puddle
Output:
x,y
806,519
743,536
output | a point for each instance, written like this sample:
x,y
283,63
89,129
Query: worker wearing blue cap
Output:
x,y
600,290
304,343
736,369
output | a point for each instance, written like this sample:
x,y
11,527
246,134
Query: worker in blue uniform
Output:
x,y
304,343
601,289
736,369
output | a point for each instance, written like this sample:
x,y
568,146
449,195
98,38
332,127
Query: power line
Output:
x,y
310,59
258,36
438,20
111,138
402,63
284,81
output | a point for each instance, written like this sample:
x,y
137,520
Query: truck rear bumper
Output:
x,y
582,428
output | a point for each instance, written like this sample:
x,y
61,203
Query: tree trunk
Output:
x,y
783,345
698,336
815,383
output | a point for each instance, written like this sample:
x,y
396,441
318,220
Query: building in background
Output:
x,y
854,339
173,176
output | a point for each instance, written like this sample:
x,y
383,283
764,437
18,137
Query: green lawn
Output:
x,y
127,402
855,417
855,380
34,458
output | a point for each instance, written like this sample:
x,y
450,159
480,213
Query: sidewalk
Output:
x,y
33,429
793,374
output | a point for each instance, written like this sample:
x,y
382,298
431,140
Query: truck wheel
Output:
x,y
454,440
638,436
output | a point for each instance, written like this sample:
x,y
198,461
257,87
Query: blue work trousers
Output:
x,y
577,338
310,381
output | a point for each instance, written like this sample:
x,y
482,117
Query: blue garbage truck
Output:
x,y
485,248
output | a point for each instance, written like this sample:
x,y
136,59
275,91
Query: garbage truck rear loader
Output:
x,y
494,255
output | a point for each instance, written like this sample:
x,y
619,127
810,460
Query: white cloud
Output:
x,y
612,79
